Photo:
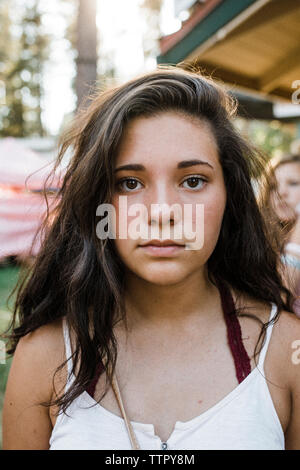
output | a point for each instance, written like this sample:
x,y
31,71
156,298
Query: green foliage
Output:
x,y
4,369
23,53
8,279
274,138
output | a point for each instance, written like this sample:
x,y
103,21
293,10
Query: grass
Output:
x,y
8,279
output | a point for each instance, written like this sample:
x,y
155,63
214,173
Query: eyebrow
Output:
x,y
183,164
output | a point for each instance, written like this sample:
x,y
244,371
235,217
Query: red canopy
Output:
x,y
22,174
20,166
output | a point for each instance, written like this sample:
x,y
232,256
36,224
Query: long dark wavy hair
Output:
x,y
81,277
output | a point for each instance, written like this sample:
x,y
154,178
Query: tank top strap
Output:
x,y
268,334
68,351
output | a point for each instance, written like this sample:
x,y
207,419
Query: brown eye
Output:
x,y
128,184
131,184
195,182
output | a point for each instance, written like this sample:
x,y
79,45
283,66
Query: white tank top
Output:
x,y
244,419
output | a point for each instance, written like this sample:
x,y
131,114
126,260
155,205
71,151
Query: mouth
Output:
x,y
162,248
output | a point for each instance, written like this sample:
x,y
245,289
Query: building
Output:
x,y
251,45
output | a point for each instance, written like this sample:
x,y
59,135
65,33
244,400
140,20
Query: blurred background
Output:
x,y
52,54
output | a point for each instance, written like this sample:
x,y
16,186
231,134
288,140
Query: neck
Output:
x,y
148,304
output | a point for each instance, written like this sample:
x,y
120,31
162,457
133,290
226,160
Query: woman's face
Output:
x,y
166,148
288,180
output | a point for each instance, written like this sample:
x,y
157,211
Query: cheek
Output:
x,y
207,223
212,226
294,195
123,219
213,212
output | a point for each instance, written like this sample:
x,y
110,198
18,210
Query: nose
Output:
x,y
164,209
161,215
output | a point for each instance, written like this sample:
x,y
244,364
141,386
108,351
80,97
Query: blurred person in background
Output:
x,y
285,199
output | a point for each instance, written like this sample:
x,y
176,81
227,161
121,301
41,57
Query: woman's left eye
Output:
x,y
195,182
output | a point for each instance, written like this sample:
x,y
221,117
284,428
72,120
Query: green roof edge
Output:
x,y
216,19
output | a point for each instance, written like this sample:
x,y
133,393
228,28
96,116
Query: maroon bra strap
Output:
x,y
92,385
234,335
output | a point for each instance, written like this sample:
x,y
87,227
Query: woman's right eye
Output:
x,y
128,184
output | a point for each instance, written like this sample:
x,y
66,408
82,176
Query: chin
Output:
x,y
163,277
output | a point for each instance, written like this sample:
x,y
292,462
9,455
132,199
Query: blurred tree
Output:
x,y
22,70
6,43
87,49
151,10
99,68
106,77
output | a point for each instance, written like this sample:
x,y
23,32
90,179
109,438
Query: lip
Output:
x,y
162,248
162,243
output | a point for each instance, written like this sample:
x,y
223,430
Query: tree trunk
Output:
x,y
87,50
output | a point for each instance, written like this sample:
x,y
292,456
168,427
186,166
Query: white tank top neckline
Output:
x,y
245,418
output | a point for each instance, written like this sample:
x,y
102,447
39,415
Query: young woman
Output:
x,y
128,343
286,202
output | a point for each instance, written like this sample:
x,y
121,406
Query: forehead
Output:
x,y
165,138
288,170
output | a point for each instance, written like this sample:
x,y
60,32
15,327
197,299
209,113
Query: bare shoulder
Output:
x,y
288,323
41,349
286,351
283,353
49,334
26,422
285,330
286,346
